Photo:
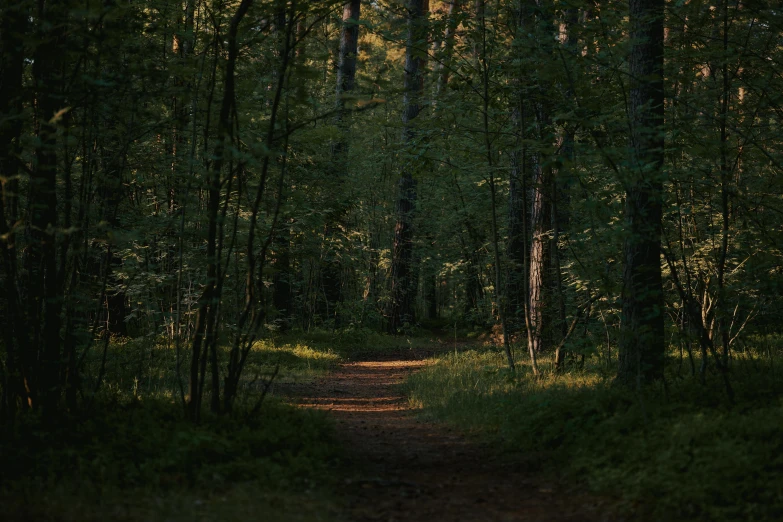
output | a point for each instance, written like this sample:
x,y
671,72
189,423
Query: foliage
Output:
x,y
134,455
144,448
682,452
358,344
189,207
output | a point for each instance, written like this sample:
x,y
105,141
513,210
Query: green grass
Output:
x,y
679,452
139,458
298,360
241,502
147,367
133,456
357,343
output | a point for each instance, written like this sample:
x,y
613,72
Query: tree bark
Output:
x,y
560,187
515,246
331,273
349,45
443,66
642,328
403,284
206,317
540,276
540,222
44,302
15,333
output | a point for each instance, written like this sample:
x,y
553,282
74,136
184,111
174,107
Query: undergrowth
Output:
x,y
356,343
681,451
131,455
145,451
148,367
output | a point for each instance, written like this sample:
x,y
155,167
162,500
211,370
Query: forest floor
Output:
x,y
409,469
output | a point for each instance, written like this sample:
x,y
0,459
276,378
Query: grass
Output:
x,y
147,367
679,452
241,502
139,459
132,456
357,343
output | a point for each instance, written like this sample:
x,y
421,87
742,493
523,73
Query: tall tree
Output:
x,y
561,181
403,277
641,329
349,46
43,285
445,48
12,30
331,274
516,250
540,222
206,328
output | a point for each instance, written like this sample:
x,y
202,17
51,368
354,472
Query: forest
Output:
x,y
391,260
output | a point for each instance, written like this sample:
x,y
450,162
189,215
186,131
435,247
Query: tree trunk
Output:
x,y
15,333
725,177
539,254
206,318
331,273
519,224
43,289
431,295
349,45
540,283
110,192
403,284
561,188
515,246
642,328
446,48
281,281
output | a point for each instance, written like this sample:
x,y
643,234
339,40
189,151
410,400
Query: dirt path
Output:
x,y
411,471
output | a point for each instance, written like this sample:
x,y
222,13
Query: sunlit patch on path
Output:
x,y
411,470
364,387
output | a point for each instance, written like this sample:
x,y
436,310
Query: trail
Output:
x,y
409,470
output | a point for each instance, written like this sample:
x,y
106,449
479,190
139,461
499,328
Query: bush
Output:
x,y
146,446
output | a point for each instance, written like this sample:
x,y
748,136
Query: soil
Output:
x,y
409,469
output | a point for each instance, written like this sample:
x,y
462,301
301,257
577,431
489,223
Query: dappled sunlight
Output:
x,y
588,427
369,386
294,362
301,351
410,466
367,405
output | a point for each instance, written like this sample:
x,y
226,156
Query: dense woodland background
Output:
x,y
596,184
